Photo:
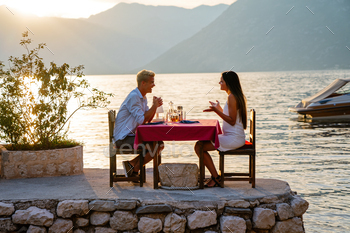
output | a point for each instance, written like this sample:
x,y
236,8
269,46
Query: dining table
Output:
x,y
201,130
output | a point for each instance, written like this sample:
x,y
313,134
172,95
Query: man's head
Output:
x,y
145,81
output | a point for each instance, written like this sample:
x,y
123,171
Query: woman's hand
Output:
x,y
215,107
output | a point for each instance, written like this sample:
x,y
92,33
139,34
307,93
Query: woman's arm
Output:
x,y
232,110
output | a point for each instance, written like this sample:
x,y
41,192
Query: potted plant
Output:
x,y
34,114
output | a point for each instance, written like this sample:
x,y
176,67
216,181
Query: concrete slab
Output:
x,y
94,184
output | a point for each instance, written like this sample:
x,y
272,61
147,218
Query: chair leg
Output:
x,y
155,171
221,168
159,162
142,168
253,172
250,169
112,169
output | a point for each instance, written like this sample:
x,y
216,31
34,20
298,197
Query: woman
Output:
x,y
234,117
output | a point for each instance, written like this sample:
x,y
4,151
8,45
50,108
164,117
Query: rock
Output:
x,y
150,209
123,221
240,212
61,226
149,225
174,224
238,204
82,222
232,224
284,211
104,230
254,203
201,219
7,225
263,218
99,218
33,215
6,209
100,205
178,174
293,225
269,200
35,229
249,224
299,206
68,208
125,204
78,231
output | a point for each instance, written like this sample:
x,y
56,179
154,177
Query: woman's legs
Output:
x,y
207,159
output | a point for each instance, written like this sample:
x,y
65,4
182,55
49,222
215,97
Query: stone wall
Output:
x,y
43,163
269,214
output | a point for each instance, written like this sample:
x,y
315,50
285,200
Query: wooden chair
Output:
x,y
113,152
247,149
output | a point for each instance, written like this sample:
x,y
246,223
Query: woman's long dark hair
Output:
x,y
232,82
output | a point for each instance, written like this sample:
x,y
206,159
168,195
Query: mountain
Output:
x,y
269,35
111,42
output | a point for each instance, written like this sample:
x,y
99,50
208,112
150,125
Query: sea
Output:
x,y
312,156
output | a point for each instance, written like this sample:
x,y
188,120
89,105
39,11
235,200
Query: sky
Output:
x,y
85,8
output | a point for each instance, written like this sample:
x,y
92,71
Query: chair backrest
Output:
x,y
252,127
111,121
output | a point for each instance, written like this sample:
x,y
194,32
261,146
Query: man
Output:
x,y
132,113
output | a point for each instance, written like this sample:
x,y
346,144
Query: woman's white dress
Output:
x,y
233,137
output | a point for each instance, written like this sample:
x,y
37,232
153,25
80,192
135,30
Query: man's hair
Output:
x,y
144,75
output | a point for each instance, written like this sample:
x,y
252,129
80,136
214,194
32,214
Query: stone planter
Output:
x,y
42,163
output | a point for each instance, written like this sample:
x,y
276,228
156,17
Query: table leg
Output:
x,y
201,166
155,169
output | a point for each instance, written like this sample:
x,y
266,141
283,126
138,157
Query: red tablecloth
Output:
x,y
205,130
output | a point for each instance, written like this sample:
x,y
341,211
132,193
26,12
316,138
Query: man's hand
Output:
x,y
157,101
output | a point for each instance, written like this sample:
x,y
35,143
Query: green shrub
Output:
x,y
34,100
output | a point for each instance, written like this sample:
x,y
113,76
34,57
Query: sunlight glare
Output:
x,y
62,8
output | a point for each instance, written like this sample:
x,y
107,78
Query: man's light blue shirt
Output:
x,y
131,114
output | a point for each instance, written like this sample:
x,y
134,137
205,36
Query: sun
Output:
x,y
58,8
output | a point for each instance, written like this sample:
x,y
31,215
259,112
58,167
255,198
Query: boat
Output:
x,y
331,102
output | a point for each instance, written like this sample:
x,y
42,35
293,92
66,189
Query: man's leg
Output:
x,y
159,146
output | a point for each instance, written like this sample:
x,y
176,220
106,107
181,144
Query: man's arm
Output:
x,y
157,102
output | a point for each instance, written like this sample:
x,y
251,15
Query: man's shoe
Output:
x,y
135,174
128,169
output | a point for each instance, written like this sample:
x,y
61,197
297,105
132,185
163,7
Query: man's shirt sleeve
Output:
x,y
134,106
